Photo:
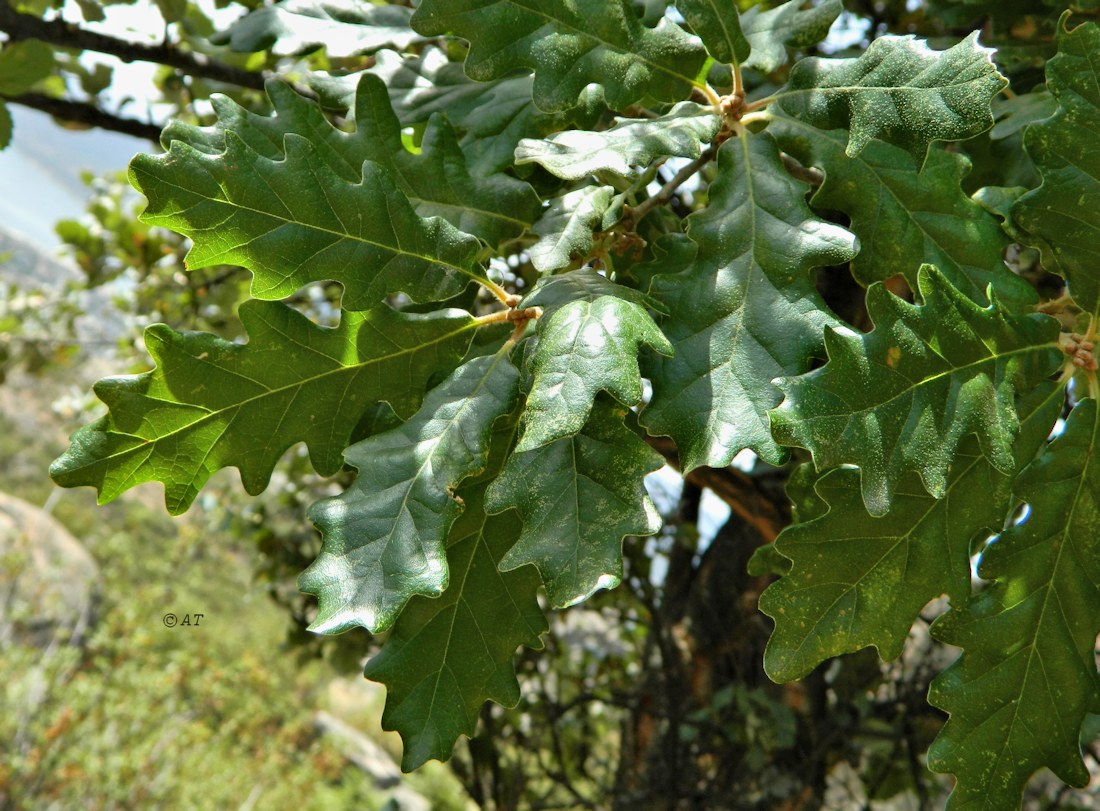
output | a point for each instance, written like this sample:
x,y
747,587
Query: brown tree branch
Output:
x,y
746,499
79,112
20,26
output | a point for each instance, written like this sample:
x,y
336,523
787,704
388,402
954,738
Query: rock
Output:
x,y
372,759
48,580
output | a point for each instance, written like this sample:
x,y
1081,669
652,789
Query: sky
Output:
x,y
40,173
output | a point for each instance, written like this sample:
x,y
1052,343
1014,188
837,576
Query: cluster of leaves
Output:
x,y
510,271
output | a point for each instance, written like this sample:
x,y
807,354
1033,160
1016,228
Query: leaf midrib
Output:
x,y
398,251
603,43
1049,589
213,413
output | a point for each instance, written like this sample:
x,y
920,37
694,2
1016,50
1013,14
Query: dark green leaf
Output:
x,y
905,215
898,90
585,346
295,221
1027,676
1014,113
578,498
1062,216
789,25
384,537
857,580
6,125
492,116
447,656
437,181
583,284
745,310
903,396
566,228
211,403
342,27
630,143
767,560
569,44
718,24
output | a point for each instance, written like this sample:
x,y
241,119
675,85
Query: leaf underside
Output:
x,y
632,142
211,403
342,27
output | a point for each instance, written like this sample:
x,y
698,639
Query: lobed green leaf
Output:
x,y
384,536
565,230
584,346
492,116
718,24
898,90
744,311
578,497
1061,216
771,32
211,403
1026,679
906,215
569,44
437,181
857,580
295,221
447,656
903,396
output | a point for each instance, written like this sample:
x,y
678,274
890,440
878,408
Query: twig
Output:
x,y
79,112
669,189
21,26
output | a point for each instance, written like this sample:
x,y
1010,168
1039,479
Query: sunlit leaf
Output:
x,y
384,536
211,403
898,90
745,310
902,397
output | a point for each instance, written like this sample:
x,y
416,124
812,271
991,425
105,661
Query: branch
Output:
x,y
746,499
79,112
669,189
67,35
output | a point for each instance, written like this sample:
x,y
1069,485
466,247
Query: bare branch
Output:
x,y
67,35
78,112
